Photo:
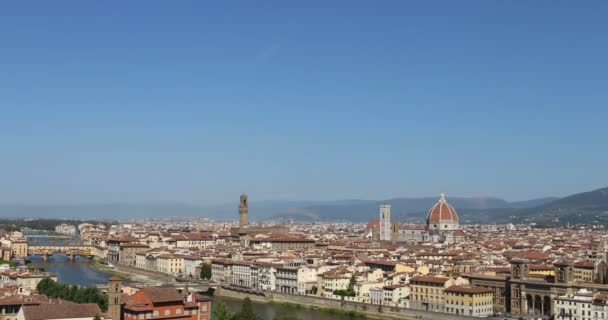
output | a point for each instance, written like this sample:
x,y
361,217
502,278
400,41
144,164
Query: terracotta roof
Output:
x,y
442,211
468,289
63,310
430,279
160,295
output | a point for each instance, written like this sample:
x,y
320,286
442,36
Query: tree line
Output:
x,y
77,294
220,311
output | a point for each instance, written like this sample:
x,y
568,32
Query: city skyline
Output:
x,y
194,103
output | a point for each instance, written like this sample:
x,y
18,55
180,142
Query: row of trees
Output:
x,y
220,311
77,294
246,312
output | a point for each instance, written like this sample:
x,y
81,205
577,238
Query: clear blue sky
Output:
x,y
197,101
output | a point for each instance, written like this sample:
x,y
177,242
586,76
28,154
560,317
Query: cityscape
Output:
x,y
165,269
303,160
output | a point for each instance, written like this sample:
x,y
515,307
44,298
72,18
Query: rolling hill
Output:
x,y
586,207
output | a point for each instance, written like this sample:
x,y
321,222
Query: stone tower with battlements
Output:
x,y
243,212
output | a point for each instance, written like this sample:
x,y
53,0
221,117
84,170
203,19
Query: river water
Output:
x,y
79,272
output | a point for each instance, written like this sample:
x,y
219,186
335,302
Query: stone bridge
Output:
x,y
69,250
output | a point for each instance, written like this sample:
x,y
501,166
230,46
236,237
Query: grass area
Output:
x,y
99,265
334,311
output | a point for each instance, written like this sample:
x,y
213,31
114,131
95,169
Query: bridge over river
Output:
x,y
70,250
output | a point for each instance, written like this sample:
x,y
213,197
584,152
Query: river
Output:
x,y
79,272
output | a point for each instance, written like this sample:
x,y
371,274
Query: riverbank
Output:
x,y
333,307
278,310
102,267
134,275
329,311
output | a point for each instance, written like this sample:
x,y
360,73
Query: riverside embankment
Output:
x,y
336,308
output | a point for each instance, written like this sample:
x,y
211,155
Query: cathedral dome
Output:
x,y
372,224
441,213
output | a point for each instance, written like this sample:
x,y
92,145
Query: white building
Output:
x,y
190,264
65,228
266,276
582,305
307,279
241,275
376,295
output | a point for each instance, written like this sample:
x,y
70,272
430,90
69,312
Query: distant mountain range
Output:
x,y
586,207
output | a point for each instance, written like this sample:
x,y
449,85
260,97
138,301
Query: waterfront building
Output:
x,y
392,295
332,280
169,263
192,266
266,276
307,279
376,295
19,248
241,274
427,292
128,253
287,279
469,300
113,245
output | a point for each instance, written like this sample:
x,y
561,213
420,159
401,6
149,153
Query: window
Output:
x,y
167,312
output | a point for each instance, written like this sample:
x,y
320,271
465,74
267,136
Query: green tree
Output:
x,y
352,283
97,318
43,285
286,318
246,312
220,311
206,271
344,293
52,289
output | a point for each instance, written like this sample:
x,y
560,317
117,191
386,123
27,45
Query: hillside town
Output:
x,y
440,267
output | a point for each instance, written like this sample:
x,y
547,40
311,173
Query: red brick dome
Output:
x,y
442,212
372,224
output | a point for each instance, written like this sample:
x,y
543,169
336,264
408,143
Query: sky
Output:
x,y
200,101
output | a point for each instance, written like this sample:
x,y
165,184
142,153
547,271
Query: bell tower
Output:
x,y
243,211
114,292
385,222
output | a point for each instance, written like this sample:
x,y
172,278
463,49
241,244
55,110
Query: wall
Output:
x,y
370,310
